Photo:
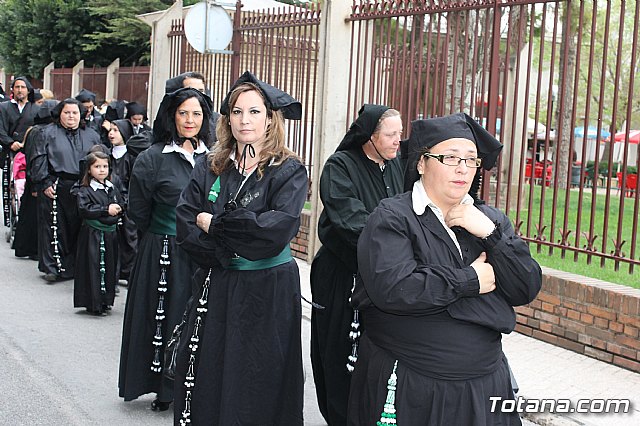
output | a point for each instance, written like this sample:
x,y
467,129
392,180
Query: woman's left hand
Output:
x,y
470,218
203,220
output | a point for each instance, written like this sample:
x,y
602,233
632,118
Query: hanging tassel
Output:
x,y
354,334
103,287
165,262
190,377
388,416
5,191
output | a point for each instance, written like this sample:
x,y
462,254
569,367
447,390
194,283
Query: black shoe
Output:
x,y
50,277
33,257
158,405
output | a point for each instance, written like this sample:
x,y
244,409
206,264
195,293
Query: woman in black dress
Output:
x,y
236,219
440,272
160,283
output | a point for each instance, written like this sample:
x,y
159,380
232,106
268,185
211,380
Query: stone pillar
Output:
x,y
331,102
160,53
76,78
46,79
111,90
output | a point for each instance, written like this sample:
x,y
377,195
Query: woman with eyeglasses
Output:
x,y
440,272
160,281
240,354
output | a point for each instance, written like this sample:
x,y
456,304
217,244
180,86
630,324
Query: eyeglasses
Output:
x,y
452,160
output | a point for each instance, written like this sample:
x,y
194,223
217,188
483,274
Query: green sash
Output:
x,y
96,224
163,219
242,264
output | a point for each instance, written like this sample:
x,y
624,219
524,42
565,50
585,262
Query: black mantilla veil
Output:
x,y
134,108
115,111
276,99
86,96
363,127
429,132
125,127
164,126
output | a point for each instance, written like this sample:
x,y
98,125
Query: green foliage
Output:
x,y
36,32
580,263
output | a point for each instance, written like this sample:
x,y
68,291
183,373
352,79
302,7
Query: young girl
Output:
x,y
100,205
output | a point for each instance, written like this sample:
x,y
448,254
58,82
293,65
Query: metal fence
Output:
x,y
279,46
554,81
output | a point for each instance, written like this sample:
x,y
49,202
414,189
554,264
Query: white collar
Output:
x,y
420,200
173,147
118,151
97,185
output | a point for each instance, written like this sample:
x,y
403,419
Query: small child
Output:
x,y
19,175
100,205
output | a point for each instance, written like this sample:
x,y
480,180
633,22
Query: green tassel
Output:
x,y
388,416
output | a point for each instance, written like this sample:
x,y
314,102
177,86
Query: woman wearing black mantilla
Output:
x,y
440,274
160,282
236,218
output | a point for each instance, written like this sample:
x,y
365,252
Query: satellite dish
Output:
x,y
208,27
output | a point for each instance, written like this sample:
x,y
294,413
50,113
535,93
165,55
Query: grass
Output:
x,y
541,218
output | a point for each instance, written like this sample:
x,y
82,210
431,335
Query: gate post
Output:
x,y
76,78
331,101
46,79
111,88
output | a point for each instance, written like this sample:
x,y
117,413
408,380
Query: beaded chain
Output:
x,y
388,416
190,377
54,228
354,334
5,192
103,287
165,262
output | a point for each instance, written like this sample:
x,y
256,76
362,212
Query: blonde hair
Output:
x,y
46,94
274,148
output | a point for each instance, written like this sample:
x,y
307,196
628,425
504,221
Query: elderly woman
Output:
x,y
160,283
55,169
440,273
364,170
236,218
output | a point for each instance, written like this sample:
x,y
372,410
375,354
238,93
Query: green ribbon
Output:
x,y
96,224
242,264
163,219
215,190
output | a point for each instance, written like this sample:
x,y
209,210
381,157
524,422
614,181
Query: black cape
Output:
x,y
157,178
351,186
94,204
249,363
419,305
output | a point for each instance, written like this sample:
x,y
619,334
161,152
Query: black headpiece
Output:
x,y
30,96
125,128
164,130
430,132
37,95
134,108
363,127
43,116
85,96
115,111
275,98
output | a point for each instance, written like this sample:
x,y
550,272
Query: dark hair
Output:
x,y
57,110
193,74
164,126
89,160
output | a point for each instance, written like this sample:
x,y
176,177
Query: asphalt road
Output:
x,y
59,365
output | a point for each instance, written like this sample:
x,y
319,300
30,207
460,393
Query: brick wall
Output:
x,y
585,315
300,243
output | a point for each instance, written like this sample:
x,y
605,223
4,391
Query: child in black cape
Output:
x,y
100,205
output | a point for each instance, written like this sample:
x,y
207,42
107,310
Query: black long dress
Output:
x,y
156,182
57,162
127,229
420,308
93,206
248,365
351,186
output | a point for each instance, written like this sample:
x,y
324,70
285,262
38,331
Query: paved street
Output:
x,y
59,366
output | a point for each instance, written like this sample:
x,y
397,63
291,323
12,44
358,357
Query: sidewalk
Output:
x,y
543,371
